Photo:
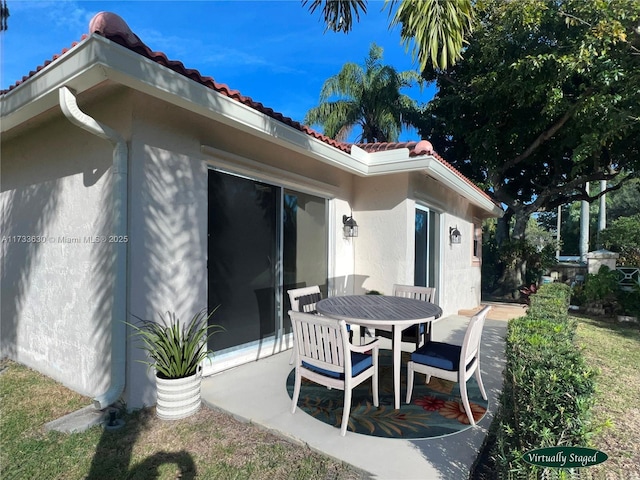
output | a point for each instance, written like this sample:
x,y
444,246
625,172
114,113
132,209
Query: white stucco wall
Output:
x,y
168,228
384,247
56,290
460,288
384,208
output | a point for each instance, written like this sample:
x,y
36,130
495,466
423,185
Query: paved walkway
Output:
x,y
256,393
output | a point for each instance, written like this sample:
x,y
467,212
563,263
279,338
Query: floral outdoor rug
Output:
x,y
435,410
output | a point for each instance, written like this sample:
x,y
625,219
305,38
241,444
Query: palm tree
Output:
x,y
367,97
438,28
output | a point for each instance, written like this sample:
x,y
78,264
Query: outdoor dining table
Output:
x,y
376,311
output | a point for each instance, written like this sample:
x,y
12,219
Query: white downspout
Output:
x,y
71,110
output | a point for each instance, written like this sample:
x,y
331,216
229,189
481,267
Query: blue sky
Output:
x,y
275,52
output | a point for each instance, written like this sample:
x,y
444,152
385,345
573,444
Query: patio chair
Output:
x,y
416,334
456,363
324,355
304,299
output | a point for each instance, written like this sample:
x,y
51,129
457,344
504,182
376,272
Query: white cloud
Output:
x,y
61,14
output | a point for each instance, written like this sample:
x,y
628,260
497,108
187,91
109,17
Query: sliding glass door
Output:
x,y
262,240
427,246
305,248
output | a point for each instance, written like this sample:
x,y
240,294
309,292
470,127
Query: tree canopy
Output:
x,y
366,96
546,98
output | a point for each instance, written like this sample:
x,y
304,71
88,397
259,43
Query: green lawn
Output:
x,y
208,445
615,349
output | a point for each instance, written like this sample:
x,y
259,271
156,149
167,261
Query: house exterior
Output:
x,y
132,185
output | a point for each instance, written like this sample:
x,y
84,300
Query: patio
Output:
x,y
256,393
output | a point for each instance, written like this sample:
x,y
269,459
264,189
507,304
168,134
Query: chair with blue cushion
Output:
x,y
456,363
417,334
324,355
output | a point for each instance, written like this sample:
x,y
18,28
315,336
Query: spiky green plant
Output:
x,y
175,350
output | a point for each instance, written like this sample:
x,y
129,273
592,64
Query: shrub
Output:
x,y
601,287
603,290
548,388
550,301
622,237
629,301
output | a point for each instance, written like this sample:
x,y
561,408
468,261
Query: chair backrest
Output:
x,y
427,294
304,299
471,342
321,341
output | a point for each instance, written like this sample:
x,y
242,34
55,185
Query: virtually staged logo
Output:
x,y
565,457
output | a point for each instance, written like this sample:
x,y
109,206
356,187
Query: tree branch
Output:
x,y
577,191
547,134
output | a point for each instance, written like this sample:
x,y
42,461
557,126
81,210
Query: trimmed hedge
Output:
x,y
548,389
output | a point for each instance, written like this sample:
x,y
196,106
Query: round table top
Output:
x,y
378,308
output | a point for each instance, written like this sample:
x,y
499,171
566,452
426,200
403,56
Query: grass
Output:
x,y
615,349
208,445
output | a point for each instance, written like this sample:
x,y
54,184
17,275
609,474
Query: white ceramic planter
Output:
x,y
178,398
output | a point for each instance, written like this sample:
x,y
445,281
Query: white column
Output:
x,y
558,226
602,211
584,227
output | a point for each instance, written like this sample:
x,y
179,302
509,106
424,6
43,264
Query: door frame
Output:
x,y
437,248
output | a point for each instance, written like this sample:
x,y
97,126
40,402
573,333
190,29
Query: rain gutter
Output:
x,y
70,108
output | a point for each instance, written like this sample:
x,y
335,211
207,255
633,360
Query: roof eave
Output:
x,y
399,161
446,176
97,60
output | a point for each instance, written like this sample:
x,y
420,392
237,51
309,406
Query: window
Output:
x,y
477,242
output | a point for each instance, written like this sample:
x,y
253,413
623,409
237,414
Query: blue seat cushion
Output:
x,y
408,333
359,363
439,355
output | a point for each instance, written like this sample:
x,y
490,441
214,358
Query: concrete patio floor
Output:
x,y
256,393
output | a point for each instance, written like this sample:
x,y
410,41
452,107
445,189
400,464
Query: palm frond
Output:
x,y
438,29
338,14
347,83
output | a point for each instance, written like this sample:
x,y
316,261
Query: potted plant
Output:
x,y
175,351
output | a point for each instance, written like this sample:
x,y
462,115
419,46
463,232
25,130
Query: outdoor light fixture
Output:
x,y
350,226
454,235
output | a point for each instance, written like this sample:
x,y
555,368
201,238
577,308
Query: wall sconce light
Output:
x,y
454,235
350,227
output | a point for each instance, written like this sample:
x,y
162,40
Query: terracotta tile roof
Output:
x,y
422,147
40,67
114,28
